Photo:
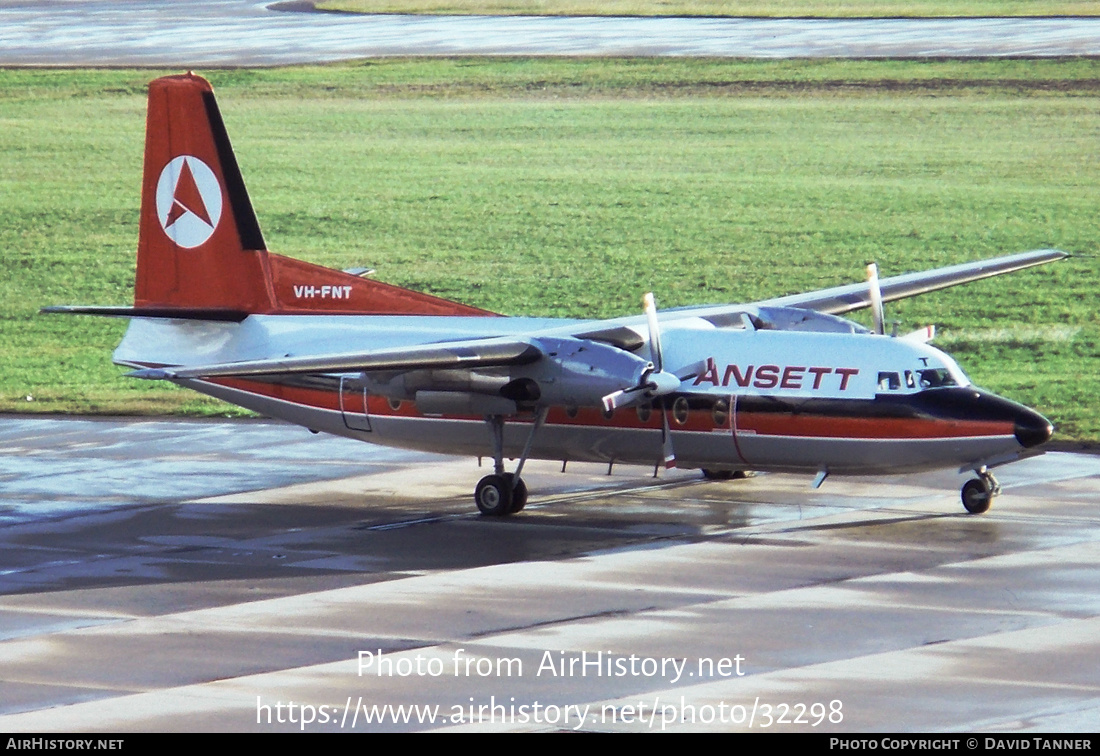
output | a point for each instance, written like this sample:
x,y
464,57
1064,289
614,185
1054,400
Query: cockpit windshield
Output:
x,y
920,379
935,378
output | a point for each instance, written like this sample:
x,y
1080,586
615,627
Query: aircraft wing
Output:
x,y
449,355
841,299
622,331
617,332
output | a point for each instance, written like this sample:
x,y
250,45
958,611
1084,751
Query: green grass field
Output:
x,y
570,187
768,8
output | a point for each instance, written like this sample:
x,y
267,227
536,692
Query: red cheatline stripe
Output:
x,y
761,424
817,426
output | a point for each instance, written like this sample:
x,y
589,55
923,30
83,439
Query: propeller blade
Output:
x,y
620,398
876,299
667,451
654,331
651,384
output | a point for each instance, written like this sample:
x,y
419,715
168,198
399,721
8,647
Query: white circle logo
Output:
x,y
189,201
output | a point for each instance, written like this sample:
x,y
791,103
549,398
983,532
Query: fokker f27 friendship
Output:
x,y
783,384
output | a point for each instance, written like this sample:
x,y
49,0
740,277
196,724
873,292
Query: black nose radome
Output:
x,y
1032,429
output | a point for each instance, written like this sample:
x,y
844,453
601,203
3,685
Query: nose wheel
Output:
x,y
978,493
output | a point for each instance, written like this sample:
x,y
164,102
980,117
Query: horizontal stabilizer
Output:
x,y
172,313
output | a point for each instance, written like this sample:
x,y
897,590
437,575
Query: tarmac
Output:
x,y
182,576
211,33
188,576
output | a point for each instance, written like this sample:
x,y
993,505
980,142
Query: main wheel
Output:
x,y
493,495
519,494
726,474
977,495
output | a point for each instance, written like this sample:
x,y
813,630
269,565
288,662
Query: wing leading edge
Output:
x,y
841,299
833,301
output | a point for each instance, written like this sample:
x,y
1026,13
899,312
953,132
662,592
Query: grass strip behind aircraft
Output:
x,y
783,384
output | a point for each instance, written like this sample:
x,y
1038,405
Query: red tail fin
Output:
x,y
199,243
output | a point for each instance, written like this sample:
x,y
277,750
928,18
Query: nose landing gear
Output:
x,y
978,493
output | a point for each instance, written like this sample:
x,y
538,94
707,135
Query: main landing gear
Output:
x,y
501,493
725,474
978,493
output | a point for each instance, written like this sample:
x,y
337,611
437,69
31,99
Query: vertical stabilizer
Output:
x,y
199,245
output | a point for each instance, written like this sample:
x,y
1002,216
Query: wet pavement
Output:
x,y
172,576
206,33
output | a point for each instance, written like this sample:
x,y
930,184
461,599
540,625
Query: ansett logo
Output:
x,y
189,201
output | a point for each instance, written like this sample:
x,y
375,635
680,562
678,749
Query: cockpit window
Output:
x,y
935,378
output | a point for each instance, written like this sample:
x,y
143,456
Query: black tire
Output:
x,y
519,494
977,496
493,495
717,474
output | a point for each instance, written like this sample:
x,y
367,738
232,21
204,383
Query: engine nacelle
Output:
x,y
798,319
580,372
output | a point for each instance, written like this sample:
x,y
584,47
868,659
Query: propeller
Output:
x,y
922,335
654,382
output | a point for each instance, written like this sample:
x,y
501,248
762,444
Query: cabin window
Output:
x,y
720,413
571,411
910,381
395,404
680,410
608,414
644,412
889,382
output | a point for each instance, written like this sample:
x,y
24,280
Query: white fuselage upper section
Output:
x,y
717,360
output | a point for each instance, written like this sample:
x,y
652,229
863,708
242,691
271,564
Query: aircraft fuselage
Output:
x,y
847,403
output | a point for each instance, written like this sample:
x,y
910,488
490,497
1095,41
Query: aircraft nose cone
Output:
x,y
1032,429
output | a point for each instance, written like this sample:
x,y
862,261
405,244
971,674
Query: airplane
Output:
x,y
783,384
